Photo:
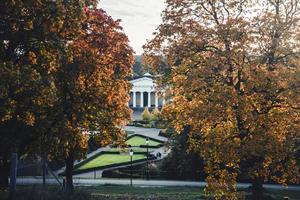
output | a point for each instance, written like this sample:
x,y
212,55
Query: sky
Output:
x,y
139,18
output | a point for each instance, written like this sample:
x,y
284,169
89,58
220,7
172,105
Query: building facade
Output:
x,y
144,94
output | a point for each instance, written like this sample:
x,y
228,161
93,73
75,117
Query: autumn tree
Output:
x,y
32,37
233,76
63,73
138,68
92,88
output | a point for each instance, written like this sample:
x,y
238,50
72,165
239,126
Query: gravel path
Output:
x,y
150,132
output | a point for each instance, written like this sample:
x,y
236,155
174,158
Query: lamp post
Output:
x,y
131,155
13,175
147,145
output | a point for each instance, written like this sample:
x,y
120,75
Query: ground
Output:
x,y
109,159
112,157
138,141
137,113
109,192
162,193
135,149
148,132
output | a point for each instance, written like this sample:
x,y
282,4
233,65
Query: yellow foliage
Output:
x,y
235,82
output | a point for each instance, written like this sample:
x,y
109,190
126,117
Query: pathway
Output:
x,y
141,183
150,132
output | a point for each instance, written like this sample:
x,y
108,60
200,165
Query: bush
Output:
x,y
147,126
156,115
168,132
141,121
181,164
146,115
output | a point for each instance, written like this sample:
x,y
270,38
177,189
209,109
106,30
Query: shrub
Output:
x,y
156,115
147,126
141,121
168,132
146,115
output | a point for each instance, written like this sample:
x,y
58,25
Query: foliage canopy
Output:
x,y
233,73
63,68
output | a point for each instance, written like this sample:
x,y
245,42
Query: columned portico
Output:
x,y
148,102
143,93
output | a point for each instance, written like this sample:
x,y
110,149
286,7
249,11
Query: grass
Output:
x,y
116,192
279,194
109,192
49,193
171,193
151,193
138,141
108,159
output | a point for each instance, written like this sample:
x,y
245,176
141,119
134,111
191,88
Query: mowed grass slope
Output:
x,y
175,193
115,192
109,159
139,140
107,192
106,159
147,193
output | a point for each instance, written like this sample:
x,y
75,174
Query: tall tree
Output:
x,y
92,88
31,41
138,68
63,72
234,79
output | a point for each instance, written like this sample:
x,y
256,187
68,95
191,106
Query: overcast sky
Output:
x,y
139,18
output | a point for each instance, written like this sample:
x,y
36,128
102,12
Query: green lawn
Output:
x,y
115,192
108,159
108,192
279,194
138,140
149,193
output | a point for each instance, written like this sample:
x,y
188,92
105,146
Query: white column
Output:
x,y
142,99
156,100
163,100
149,99
134,99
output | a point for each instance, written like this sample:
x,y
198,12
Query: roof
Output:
x,y
147,74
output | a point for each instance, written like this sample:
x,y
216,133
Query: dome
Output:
x,y
147,75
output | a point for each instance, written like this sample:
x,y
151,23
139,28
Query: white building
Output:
x,y
144,94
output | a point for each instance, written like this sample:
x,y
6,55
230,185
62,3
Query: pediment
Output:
x,y
142,81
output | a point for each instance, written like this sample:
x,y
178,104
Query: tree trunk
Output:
x,y
69,173
257,189
4,173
